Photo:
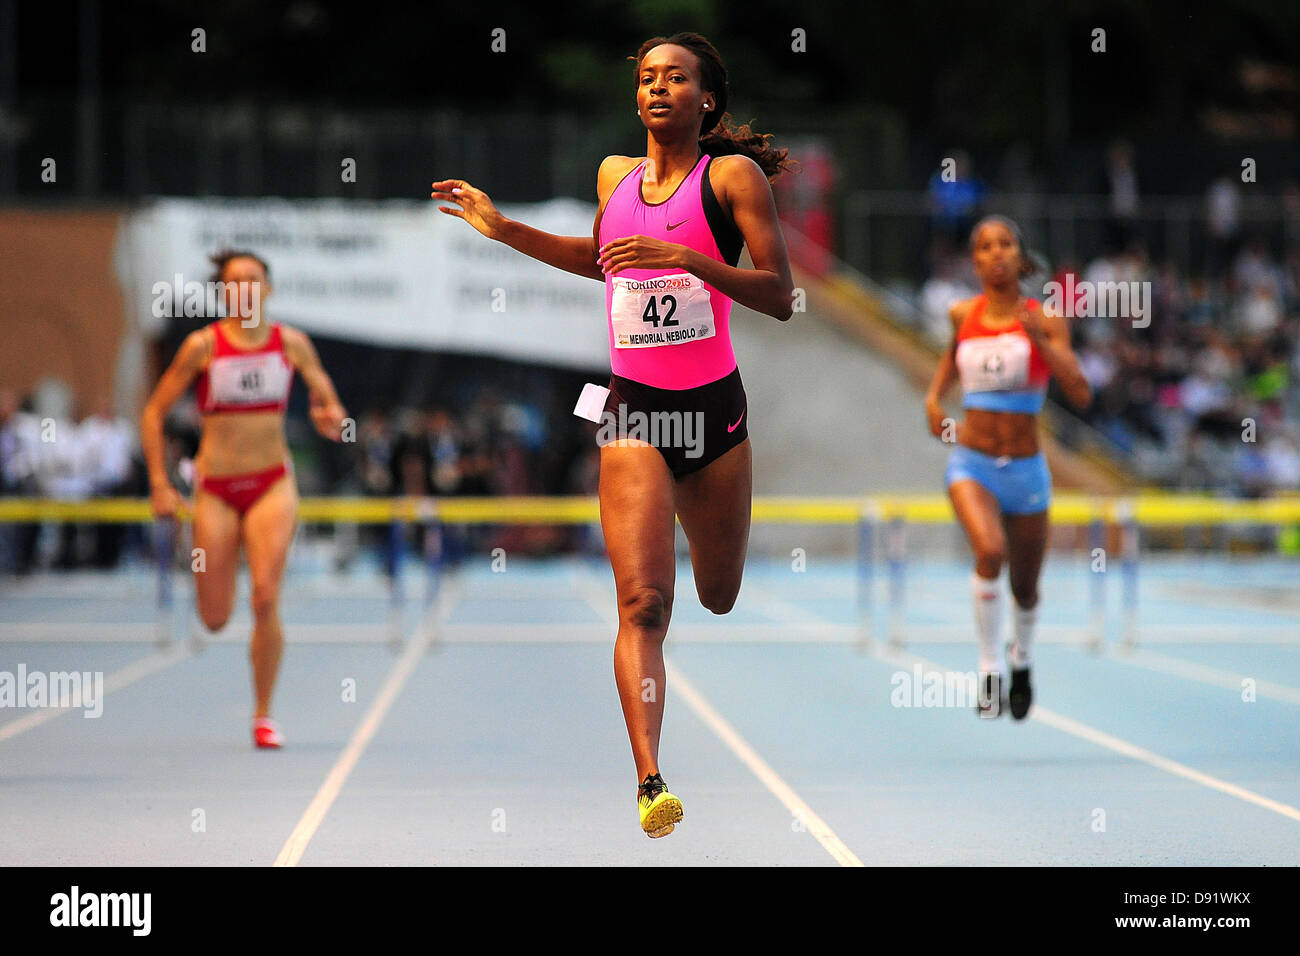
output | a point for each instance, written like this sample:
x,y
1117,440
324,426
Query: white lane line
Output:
x,y
818,827
115,681
1206,674
683,633
728,734
296,845
801,624
1081,730
1084,732
1273,601
77,632
235,632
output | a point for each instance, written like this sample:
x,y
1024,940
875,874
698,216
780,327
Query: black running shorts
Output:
x,y
691,427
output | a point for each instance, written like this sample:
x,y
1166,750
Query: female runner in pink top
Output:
x,y
674,439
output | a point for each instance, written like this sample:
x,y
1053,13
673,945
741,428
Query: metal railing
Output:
x,y
886,232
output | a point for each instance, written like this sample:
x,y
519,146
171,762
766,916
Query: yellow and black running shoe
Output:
x,y
660,810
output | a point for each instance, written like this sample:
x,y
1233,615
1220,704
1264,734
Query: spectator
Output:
x,y
19,449
1122,194
1222,218
1253,268
1282,461
375,448
60,466
106,442
948,283
956,197
445,474
1259,312
410,458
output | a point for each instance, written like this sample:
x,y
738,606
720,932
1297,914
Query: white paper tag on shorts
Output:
x,y
591,403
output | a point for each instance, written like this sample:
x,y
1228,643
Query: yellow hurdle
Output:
x,y
881,521
1154,510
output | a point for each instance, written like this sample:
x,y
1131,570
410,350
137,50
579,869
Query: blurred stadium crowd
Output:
x,y
1204,397
499,443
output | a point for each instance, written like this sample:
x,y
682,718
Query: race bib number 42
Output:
x,y
662,310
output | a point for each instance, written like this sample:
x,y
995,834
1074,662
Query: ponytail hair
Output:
x,y
718,137
221,259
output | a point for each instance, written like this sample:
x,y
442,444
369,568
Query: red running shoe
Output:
x,y
265,733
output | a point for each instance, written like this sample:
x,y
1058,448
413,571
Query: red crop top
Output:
x,y
245,380
997,360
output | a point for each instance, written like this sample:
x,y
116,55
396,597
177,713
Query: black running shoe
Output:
x,y
1021,694
989,696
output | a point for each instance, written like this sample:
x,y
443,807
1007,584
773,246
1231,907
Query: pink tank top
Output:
x,y
667,328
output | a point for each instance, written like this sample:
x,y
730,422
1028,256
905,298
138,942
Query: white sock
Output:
x,y
988,619
1026,621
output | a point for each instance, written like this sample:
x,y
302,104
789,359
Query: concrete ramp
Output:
x,y
866,376
827,415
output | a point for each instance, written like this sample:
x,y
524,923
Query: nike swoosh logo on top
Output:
x,y
674,225
732,428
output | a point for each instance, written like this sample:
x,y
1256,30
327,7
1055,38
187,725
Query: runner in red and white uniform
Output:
x,y
242,368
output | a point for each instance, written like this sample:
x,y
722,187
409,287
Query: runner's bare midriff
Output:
x,y
1000,434
238,443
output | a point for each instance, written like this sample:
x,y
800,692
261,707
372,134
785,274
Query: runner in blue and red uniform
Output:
x,y
1004,349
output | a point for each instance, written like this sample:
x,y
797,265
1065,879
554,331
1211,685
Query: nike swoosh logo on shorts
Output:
x,y
732,428
674,225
